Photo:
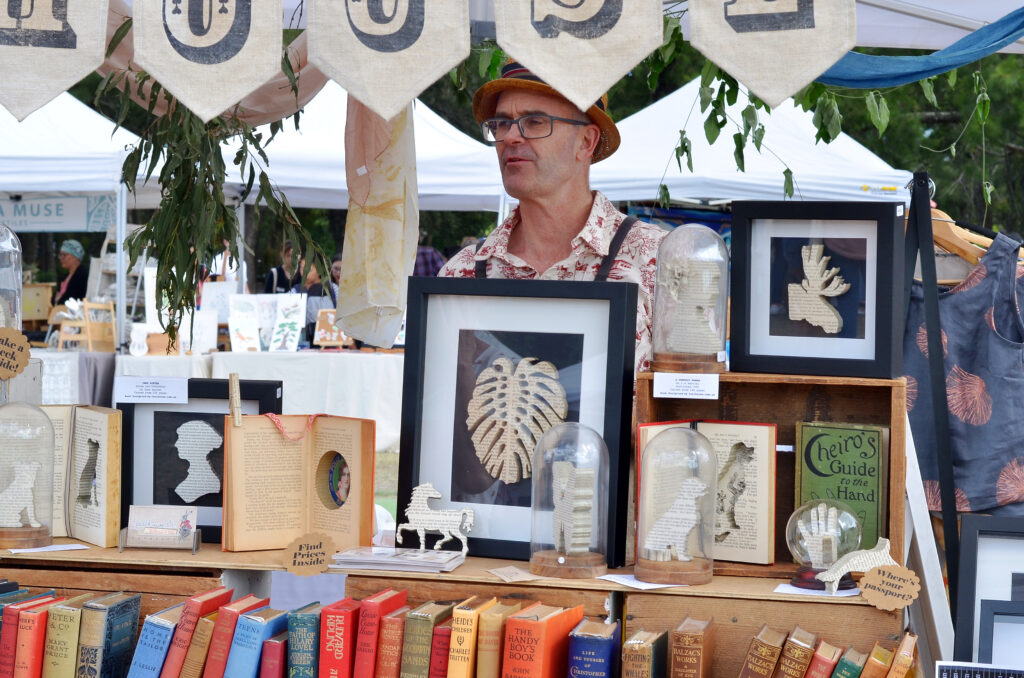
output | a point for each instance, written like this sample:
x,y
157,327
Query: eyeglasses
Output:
x,y
532,126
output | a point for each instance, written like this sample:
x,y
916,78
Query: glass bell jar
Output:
x,y
690,294
676,511
819,533
570,507
26,434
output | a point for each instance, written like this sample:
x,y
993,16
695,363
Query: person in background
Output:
x,y
320,296
428,261
283,279
224,267
74,285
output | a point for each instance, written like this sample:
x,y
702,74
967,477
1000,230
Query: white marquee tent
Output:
x,y
841,170
454,172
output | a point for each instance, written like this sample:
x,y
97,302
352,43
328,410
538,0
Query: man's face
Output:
x,y
533,168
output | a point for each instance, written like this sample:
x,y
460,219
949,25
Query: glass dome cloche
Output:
x,y
26,434
819,533
691,291
676,511
570,507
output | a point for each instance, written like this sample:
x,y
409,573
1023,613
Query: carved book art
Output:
x,y
808,300
449,523
694,287
573,497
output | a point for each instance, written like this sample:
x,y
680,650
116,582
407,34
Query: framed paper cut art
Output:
x,y
173,454
991,562
817,288
1001,633
490,365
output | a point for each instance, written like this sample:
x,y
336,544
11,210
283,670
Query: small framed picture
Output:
x,y
173,454
490,365
817,288
991,558
1001,632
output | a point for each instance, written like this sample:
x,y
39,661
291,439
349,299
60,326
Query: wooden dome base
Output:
x,y
25,537
679,572
690,363
556,564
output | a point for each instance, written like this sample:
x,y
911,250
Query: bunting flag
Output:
x,y
774,47
382,228
208,53
385,52
580,48
46,46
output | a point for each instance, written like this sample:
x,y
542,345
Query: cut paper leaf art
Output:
x,y
511,408
807,300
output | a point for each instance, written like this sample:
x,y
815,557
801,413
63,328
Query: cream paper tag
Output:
x,y
309,554
890,587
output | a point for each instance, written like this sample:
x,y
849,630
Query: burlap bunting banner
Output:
x,y
385,52
774,48
46,46
209,53
580,48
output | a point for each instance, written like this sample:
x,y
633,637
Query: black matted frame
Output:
x,y
991,610
522,305
258,397
986,572
754,348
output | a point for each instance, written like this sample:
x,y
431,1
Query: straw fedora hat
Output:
x,y
516,76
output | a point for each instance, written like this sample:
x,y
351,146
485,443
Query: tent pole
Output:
x,y
122,229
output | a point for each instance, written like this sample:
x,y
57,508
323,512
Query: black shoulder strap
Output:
x,y
481,264
613,248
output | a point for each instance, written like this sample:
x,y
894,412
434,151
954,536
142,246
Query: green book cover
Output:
x,y
850,664
303,641
419,633
849,463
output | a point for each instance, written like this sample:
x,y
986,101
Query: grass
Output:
x,y
386,481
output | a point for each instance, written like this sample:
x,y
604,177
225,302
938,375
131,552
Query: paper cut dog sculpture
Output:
x,y
18,496
669,534
449,523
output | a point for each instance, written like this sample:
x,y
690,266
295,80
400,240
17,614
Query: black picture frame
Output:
x,y
866,240
991,552
207,399
993,611
440,311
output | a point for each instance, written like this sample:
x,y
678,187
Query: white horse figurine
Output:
x,y
450,523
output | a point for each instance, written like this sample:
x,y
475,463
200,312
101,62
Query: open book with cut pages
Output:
x,y
286,476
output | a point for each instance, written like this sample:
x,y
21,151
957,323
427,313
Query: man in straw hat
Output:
x,y
561,229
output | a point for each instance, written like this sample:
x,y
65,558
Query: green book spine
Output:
x,y
849,463
846,669
303,642
418,637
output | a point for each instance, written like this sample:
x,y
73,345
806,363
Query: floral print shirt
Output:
x,y
635,262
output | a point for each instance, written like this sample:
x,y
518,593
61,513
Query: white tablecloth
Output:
x,y
350,384
191,366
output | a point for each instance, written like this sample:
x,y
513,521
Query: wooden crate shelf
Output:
x,y
785,399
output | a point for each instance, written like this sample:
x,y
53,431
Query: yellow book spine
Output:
x,y
195,658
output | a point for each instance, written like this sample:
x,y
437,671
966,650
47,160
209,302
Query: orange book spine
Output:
x,y
539,649
878,663
389,647
28,658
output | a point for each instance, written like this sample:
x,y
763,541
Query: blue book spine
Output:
x,y
122,625
151,651
247,645
303,644
594,656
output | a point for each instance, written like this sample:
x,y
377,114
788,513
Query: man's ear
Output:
x,y
588,142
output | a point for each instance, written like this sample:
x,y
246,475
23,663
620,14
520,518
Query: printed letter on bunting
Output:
x,y
581,48
46,46
774,47
209,53
385,52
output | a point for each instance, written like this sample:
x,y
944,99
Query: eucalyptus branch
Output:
x,y
194,217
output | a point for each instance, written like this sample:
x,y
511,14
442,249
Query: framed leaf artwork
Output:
x,y
817,288
490,366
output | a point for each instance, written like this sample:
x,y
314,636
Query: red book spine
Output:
x,y
274,659
9,640
223,634
439,646
369,629
28,659
337,637
190,614
389,647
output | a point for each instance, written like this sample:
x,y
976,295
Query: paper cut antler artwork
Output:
x,y
511,408
856,561
449,523
808,299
